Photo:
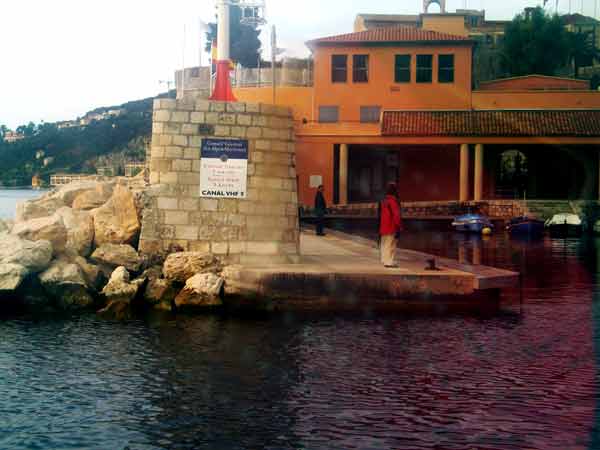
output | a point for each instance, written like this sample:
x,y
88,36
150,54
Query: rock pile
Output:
x,y
75,249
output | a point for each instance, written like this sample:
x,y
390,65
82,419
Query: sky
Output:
x,y
62,58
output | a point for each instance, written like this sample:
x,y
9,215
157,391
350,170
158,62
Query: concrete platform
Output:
x,y
342,272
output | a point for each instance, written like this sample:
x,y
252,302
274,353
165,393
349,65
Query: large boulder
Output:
x,y
80,230
116,222
47,228
11,276
160,293
38,208
200,292
184,265
120,293
93,274
93,198
119,288
118,255
69,192
34,256
65,283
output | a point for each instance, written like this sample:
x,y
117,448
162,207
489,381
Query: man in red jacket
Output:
x,y
389,225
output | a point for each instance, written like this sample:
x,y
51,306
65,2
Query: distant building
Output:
x,y
47,161
13,136
469,21
67,124
60,179
91,117
105,171
134,168
40,154
577,23
114,112
36,182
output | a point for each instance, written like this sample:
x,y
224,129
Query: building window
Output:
x,y
402,69
370,114
339,68
424,68
446,69
360,68
329,114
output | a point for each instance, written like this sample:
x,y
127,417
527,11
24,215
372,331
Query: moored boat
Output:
x,y
525,226
565,224
472,223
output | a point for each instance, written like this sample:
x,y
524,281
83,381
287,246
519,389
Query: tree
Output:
x,y
535,43
3,130
244,42
582,50
27,130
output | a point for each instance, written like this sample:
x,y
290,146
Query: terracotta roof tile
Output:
x,y
399,34
518,123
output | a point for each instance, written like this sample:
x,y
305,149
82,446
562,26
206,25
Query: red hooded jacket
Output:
x,y
391,221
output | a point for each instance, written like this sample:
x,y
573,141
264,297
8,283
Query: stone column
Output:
x,y
343,174
464,172
478,172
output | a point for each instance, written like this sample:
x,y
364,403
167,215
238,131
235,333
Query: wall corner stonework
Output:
x,y
263,228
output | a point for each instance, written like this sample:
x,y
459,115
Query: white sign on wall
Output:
x,y
315,181
223,168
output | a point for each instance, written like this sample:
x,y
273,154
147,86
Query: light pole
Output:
x,y
222,90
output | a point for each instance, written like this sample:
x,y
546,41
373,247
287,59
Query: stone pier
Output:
x,y
261,228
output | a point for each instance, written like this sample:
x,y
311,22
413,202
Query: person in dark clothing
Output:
x,y
320,210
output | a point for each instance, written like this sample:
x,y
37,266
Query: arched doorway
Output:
x,y
546,172
512,175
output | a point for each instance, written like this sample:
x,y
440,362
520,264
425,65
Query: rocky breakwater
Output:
x,y
75,249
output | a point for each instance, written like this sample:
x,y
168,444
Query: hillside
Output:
x,y
78,149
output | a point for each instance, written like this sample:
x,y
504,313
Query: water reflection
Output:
x,y
524,378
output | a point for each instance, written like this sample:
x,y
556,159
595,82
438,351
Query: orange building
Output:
x,y
397,104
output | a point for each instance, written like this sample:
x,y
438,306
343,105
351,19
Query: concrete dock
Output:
x,y
339,272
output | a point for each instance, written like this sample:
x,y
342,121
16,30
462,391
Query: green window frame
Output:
x,y
446,68
424,68
339,68
360,68
402,69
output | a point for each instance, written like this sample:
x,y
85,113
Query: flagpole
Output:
x,y
183,62
273,61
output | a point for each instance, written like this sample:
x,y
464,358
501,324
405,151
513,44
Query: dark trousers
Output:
x,y
320,224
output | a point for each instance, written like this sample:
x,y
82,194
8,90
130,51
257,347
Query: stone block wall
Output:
x,y
263,228
504,209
